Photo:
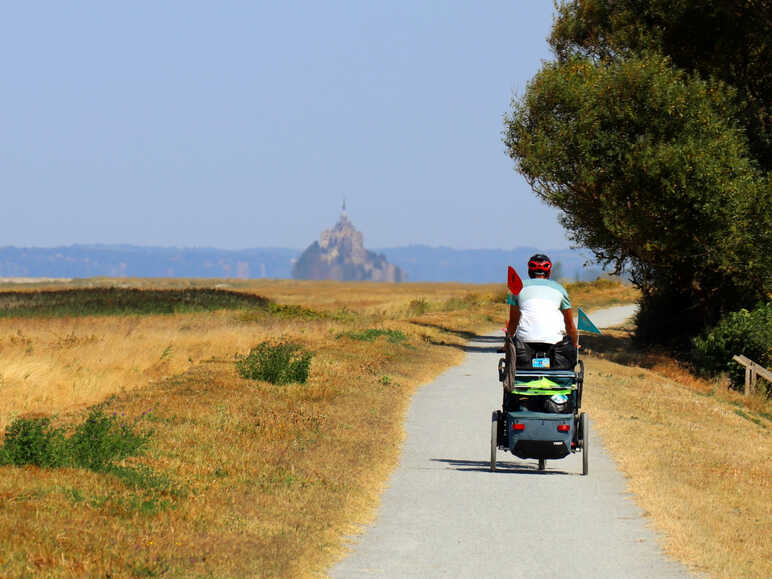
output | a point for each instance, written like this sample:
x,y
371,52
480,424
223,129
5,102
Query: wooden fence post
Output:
x,y
752,371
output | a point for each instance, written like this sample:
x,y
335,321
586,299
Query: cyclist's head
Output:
x,y
539,266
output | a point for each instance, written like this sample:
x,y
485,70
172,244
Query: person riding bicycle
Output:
x,y
540,318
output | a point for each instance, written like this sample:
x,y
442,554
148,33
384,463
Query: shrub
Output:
x,y
34,441
100,440
745,332
95,445
418,307
277,363
667,318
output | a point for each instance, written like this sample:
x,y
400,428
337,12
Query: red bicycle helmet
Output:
x,y
539,266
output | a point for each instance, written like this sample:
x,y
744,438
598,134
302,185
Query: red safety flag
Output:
x,y
514,283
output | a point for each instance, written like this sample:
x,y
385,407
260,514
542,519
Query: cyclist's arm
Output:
x,y
571,331
514,319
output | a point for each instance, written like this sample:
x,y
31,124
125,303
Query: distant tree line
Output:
x,y
651,132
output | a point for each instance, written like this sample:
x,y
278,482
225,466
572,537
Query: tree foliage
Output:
x,y
728,40
649,162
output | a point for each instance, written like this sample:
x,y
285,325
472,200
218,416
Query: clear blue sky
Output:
x,y
244,124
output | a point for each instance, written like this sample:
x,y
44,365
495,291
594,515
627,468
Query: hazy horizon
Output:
x,y
288,247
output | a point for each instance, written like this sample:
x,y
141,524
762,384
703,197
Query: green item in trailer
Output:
x,y
542,382
541,387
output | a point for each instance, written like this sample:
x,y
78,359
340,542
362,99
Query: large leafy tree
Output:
x,y
653,163
728,40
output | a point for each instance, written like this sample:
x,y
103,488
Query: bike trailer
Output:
x,y
539,434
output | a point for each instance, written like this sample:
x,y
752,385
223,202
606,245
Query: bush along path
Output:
x,y
275,362
100,444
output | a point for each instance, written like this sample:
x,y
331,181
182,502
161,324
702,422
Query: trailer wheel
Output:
x,y
494,437
584,424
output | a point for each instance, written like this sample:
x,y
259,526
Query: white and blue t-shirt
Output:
x,y
541,303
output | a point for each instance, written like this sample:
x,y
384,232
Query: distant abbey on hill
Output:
x,y
340,254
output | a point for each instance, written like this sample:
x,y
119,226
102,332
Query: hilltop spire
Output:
x,y
340,254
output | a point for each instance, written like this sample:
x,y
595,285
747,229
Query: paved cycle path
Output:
x,y
444,514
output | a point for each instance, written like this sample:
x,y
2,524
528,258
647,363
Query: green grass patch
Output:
x,y
372,334
749,417
142,477
97,444
294,312
275,362
124,301
282,311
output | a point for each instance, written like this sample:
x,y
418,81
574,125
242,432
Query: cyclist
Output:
x,y
540,318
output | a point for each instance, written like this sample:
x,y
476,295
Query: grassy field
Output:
x,y
240,478
696,455
243,478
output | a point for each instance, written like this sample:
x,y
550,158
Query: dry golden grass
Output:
x,y
56,364
265,480
601,293
697,456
